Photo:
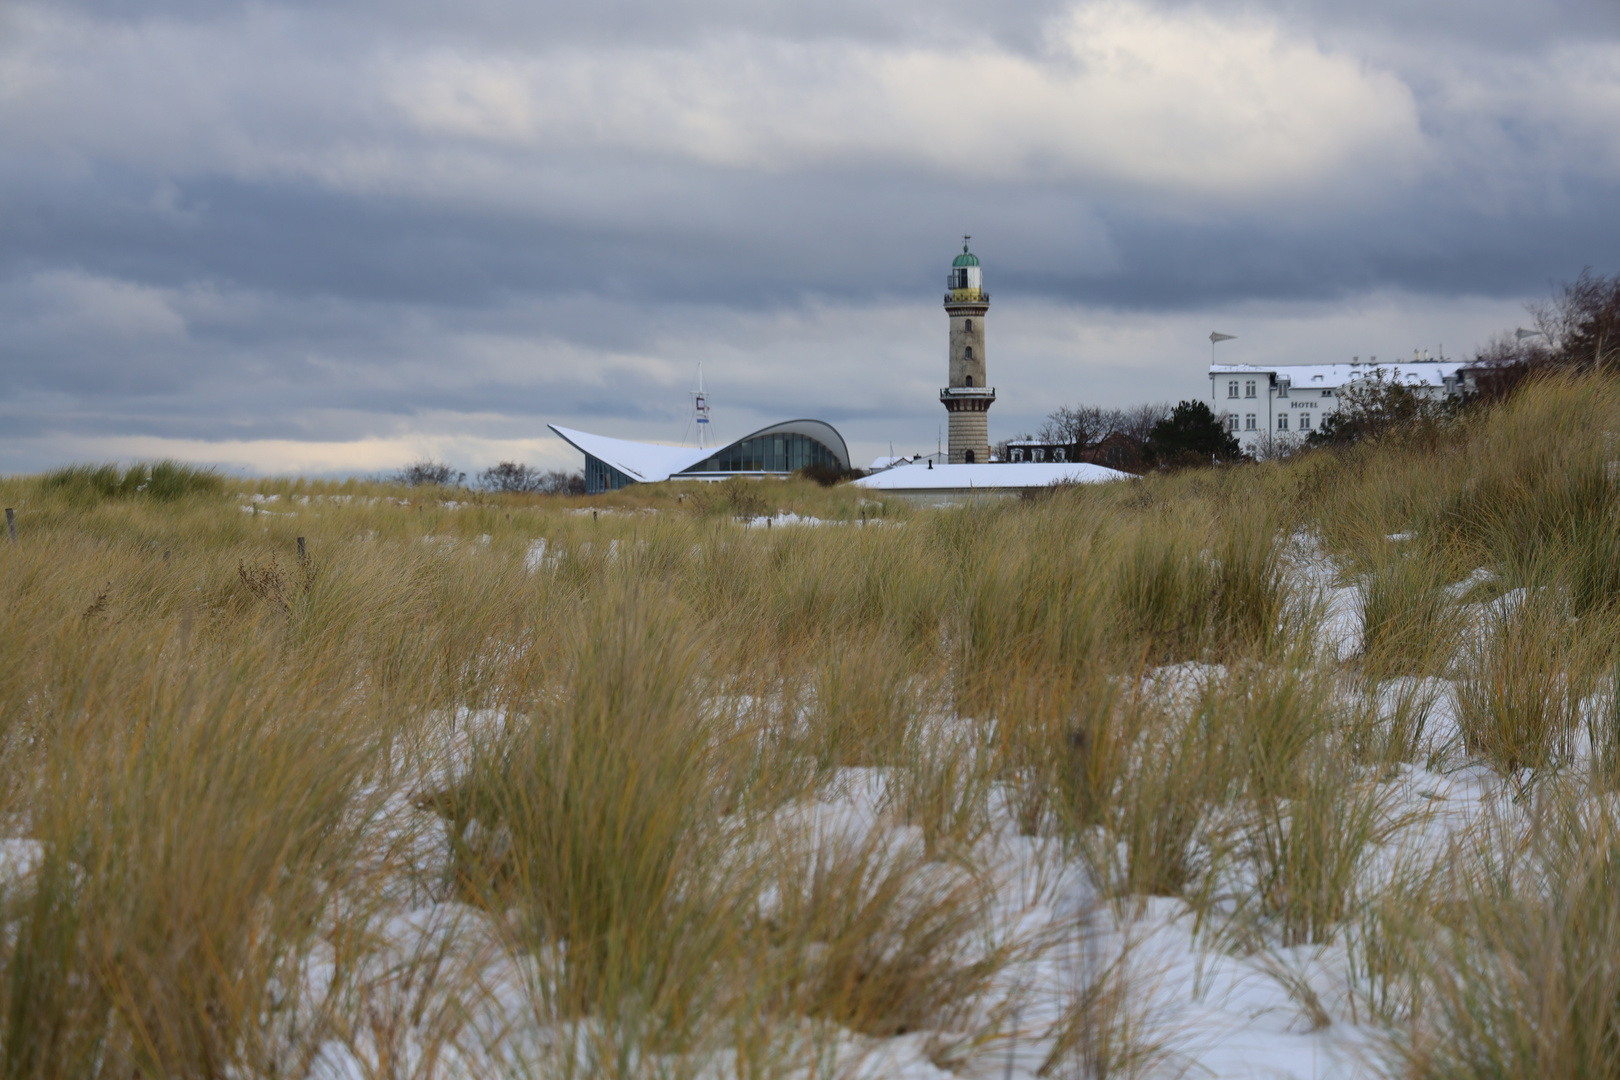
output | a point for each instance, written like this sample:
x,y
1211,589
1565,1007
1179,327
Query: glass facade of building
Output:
x,y
600,476
787,447
779,453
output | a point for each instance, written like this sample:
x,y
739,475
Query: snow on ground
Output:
x,y
443,993
1317,575
1191,1002
1194,1002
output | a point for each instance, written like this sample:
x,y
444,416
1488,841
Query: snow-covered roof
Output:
x,y
646,462
1018,475
1432,372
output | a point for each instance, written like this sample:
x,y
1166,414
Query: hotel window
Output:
x,y
1231,389
1282,421
1304,421
1327,393
1231,422
1249,424
1248,388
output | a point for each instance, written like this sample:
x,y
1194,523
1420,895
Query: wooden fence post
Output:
x,y
11,524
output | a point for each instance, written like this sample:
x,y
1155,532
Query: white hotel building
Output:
x,y
1290,401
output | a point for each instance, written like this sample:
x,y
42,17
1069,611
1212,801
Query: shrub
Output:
x,y
1377,407
828,475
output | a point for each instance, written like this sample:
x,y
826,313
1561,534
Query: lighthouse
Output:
x,y
967,398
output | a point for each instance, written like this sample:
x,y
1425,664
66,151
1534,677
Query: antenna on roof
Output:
x,y
700,411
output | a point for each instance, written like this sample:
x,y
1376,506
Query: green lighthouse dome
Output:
x,y
966,279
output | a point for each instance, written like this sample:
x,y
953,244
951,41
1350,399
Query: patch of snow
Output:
x,y
536,558
1479,577
1316,575
18,857
781,518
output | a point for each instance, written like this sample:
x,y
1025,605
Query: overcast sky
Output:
x,y
333,236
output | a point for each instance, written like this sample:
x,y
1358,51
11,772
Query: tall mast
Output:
x,y
700,411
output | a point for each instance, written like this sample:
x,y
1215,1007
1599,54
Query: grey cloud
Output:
x,y
284,255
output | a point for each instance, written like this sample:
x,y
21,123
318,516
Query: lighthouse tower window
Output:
x,y
970,352
969,380
968,326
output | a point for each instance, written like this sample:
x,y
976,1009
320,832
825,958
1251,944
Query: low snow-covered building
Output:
x,y
776,450
1259,403
927,482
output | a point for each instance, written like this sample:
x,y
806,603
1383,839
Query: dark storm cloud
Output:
x,y
333,222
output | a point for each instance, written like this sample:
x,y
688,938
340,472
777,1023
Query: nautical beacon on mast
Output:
x,y
967,398
700,411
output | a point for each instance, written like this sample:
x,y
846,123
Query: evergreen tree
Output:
x,y
1191,435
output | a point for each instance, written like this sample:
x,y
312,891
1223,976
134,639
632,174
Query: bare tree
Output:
x,y
1138,421
1277,445
428,471
1079,427
558,482
1001,451
509,476
1084,426
516,478
1581,325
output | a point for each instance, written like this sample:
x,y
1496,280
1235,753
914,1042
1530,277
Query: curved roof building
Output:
x,y
776,450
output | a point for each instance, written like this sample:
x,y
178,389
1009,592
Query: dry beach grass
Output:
x,y
673,795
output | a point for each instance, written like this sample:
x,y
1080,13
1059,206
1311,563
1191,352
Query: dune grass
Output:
x,y
607,737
